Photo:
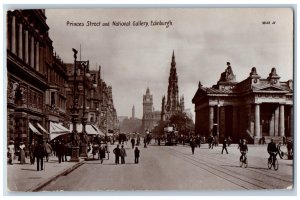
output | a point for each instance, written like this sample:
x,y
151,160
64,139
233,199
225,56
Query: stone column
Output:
x,y
235,122
32,52
222,121
37,56
281,120
13,35
20,42
257,121
276,121
272,125
211,118
26,47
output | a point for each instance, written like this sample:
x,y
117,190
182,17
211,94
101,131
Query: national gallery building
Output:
x,y
253,108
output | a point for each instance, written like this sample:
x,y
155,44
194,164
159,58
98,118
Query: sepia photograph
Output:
x,y
114,99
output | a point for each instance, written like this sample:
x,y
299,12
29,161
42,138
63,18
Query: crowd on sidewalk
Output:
x,y
37,151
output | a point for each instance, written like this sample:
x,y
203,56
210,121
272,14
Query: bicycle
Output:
x,y
273,162
243,160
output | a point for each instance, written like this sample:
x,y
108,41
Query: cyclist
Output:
x,y
243,149
272,150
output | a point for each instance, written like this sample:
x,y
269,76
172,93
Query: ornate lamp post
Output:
x,y
84,139
74,116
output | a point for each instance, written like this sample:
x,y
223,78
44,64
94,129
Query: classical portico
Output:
x,y
251,109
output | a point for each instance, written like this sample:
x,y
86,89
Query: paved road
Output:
x,y
175,168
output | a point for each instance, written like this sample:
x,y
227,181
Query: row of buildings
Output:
x,y
40,85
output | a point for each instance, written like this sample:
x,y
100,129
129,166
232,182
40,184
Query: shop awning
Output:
x,y
42,128
34,130
57,129
89,128
98,130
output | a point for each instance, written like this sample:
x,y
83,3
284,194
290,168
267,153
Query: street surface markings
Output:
x,y
237,176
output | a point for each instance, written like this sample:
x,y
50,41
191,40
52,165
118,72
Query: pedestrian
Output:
x,y
280,153
145,142
102,151
11,150
229,141
197,140
107,150
48,150
122,154
39,153
136,155
284,140
224,146
158,139
116,151
60,151
132,142
31,152
9,157
138,141
67,147
192,144
263,140
55,146
22,153
289,147
211,142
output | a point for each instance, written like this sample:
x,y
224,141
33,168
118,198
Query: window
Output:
x,y
52,102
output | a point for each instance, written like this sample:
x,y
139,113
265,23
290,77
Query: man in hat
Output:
x,y
136,155
123,154
224,146
117,153
39,153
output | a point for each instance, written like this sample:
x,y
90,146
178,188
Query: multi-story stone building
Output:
x,y
173,104
99,107
255,107
35,77
56,97
108,121
40,85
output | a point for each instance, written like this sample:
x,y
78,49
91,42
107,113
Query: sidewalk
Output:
x,y
26,178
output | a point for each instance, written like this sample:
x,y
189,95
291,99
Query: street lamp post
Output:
x,y
74,115
84,140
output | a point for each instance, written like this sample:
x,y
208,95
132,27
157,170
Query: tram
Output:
x,y
171,135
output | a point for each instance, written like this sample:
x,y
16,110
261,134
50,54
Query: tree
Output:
x,y
183,123
159,129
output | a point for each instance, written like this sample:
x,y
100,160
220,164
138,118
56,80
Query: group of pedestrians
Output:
x,y
121,152
37,151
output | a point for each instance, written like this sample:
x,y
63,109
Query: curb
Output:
x,y
49,180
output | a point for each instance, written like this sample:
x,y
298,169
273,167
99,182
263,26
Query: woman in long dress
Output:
x,y
11,150
22,153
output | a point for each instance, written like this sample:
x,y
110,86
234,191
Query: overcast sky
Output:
x,y
203,40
